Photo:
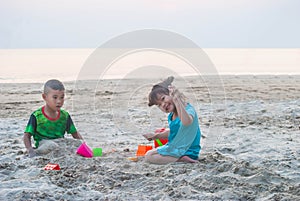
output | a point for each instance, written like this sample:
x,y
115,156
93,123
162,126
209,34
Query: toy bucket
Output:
x,y
142,149
160,142
85,151
97,152
159,130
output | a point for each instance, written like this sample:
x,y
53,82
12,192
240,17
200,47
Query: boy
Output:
x,y
49,121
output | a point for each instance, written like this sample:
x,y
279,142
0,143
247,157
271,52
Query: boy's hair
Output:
x,y
160,88
53,84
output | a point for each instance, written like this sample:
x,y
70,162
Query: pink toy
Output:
x,y
85,151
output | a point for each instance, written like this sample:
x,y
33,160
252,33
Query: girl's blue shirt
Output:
x,y
183,140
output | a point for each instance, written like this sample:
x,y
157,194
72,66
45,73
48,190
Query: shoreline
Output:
x,y
224,75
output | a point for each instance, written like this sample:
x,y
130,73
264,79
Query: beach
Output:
x,y
250,142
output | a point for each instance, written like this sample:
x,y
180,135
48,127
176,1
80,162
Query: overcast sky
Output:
x,y
209,23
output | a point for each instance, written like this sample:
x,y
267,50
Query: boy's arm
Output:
x,y
27,143
71,128
77,136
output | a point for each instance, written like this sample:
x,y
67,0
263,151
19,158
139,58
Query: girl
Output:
x,y
184,133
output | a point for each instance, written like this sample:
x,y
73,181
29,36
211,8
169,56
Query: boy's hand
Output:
x,y
31,152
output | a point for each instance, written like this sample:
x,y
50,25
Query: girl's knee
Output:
x,y
148,156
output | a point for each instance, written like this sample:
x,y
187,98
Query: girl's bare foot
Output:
x,y
187,159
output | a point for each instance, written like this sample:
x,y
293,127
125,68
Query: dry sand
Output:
x,y
250,139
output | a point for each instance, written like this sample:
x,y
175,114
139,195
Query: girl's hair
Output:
x,y
53,84
160,88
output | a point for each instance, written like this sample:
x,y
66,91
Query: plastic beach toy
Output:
x,y
97,152
142,149
159,130
160,142
52,166
85,151
134,159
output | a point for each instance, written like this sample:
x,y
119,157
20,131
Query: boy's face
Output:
x,y
54,99
165,103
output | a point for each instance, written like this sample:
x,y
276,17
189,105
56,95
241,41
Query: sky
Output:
x,y
90,23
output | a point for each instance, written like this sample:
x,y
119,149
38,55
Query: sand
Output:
x,y
250,139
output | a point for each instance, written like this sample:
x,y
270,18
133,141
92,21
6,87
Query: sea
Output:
x,y
39,65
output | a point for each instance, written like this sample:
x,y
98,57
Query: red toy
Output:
x,y
142,149
52,166
160,142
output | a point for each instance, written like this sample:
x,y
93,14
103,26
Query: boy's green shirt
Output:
x,y
41,127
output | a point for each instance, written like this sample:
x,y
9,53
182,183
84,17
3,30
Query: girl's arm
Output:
x,y
161,135
185,118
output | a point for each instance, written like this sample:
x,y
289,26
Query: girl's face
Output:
x,y
165,103
54,99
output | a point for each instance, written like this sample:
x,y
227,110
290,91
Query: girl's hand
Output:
x,y
173,92
149,136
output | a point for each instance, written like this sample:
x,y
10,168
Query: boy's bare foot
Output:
x,y
187,159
